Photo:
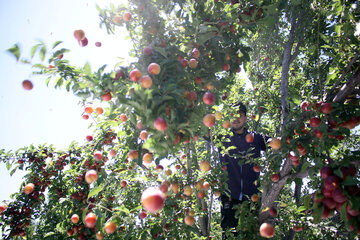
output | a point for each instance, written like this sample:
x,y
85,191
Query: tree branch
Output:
x,y
348,87
285,65
351,63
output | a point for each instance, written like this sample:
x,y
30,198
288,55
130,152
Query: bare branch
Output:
x,y
351,63
348,88
287,58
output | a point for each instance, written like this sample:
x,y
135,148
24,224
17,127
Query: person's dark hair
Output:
x,y
240,107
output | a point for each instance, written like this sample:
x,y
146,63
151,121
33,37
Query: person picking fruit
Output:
x,y
241,177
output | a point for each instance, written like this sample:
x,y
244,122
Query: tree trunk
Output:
x,y
270,195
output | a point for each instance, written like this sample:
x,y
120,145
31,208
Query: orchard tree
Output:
x,y
147,171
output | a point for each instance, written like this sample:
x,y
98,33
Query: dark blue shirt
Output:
x,y
241,176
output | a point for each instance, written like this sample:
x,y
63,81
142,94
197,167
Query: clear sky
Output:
x,y
46,115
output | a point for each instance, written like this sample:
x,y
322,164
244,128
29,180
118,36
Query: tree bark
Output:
x,y
348,88
285,65
270,195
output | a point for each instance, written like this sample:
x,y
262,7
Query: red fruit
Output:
x,y
90,220
209,98
133,154
127,16
351,211
27,84
329,203
29,188
348,171
110,227
314,122
79,34
318,133
99,236
226,67
123,183
107,96
267,230
249,138
112,153
119,73
147,51
339,206
184,63
193,63
152,200
159,168
91,176
272,212
84,42
326,108
191,96
98,44
297,228
142,215
154,68
338,195
146,81
164,187
70,232
75,218
195,53
135,75
326,213
327,192
198,80
209,120
85,116
331,182
2,207
305,106
257,168
301,149
98,155
275,177
326,171
160,124
293,157
89,138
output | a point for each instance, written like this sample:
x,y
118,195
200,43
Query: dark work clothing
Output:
x,y
228,219
241,176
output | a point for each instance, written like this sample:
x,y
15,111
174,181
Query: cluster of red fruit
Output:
x,y
19,213
336,194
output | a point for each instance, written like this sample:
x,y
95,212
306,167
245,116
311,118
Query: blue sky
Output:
x,y
46,115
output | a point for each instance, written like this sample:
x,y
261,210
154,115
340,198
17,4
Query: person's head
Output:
x,y
240,117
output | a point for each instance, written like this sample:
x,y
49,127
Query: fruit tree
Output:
x,y
147,173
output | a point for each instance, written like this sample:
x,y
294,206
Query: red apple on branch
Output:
x,y
160,124
153,200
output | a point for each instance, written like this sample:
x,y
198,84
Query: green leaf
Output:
x,y
13,171
350,181
33,50
15,50
305,166
307,200
42,53
301,209
96,190
56,44
84,215
87,69
161,51
205,37
49,234
8,165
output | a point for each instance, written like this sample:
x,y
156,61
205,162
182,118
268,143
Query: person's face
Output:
x,y
239,121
